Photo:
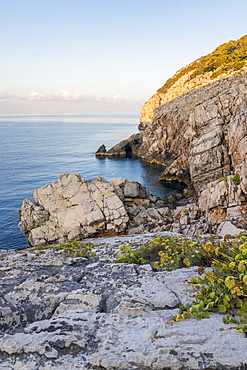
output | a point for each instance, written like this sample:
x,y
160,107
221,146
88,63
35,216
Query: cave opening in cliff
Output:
x,y
128,151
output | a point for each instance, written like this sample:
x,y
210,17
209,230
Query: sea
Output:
x,y
36,149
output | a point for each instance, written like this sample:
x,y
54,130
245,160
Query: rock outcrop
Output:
x,y
227,60
72,209
101,151
69,313
201,135
130,145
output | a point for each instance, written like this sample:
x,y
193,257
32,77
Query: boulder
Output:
x,y
132,189
71,209
101,151
136,230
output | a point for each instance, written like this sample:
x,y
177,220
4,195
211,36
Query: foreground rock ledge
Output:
x,y
75,314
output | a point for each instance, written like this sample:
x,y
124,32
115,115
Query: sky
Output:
x,y
103,56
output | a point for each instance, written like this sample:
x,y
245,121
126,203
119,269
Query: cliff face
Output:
x,y
227,60
201,135
201,139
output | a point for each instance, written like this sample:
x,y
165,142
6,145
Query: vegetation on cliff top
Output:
x,y
226,58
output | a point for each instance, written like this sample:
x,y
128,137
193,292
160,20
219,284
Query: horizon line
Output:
x,y
68,114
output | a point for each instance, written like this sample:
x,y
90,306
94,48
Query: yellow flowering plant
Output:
x,y
221,289
224,288
165,253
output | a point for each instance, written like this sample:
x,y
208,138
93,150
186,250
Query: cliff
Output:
x,y
200,136
226,60
201,139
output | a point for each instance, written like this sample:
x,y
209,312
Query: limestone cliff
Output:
x,y
200,136
201,139
228,59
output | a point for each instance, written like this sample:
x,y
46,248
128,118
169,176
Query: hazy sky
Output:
x,y
96,56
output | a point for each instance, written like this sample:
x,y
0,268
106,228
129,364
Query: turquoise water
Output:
x,y
36,149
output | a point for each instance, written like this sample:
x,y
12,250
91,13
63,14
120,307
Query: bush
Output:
x,y
223,290
236,180
166,253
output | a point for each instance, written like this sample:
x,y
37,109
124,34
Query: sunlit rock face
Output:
x,y
226,60
183,85
201,135
71,209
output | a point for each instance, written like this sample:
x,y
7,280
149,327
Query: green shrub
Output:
x,y
165,253
132,254
236,180
71,249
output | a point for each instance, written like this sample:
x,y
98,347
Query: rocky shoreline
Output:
x,y
71,313
73,209
200,138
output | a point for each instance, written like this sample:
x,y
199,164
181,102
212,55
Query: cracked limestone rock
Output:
x,y
95,314
71,209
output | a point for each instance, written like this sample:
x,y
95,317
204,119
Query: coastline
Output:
x,y
38,162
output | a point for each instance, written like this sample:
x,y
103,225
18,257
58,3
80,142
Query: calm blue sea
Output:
x,y
36,149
